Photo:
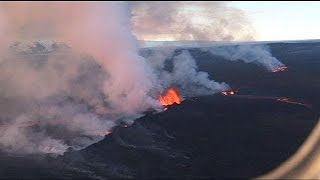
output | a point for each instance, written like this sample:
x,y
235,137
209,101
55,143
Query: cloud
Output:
x,y
183,20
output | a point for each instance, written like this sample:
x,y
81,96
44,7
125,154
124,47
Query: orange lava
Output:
x,y
172,97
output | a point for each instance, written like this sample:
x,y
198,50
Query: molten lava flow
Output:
x,y
281,69
172,96
290,101
283,99
230,92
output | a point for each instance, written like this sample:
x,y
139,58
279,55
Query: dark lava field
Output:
x,y
213,136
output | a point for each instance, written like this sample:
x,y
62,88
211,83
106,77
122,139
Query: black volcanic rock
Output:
x,y
204,137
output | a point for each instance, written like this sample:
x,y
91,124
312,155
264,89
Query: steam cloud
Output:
x,y
53,97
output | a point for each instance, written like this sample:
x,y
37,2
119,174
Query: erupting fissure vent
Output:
x,y
230,92
171,97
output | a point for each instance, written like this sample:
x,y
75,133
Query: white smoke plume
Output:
x,y
62,98
185,74
53,97
107,29
257,54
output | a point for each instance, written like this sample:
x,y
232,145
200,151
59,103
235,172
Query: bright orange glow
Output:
x,y
172,97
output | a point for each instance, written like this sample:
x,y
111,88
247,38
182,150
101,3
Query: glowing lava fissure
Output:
x,y
281,69
291,101
229,92
171,97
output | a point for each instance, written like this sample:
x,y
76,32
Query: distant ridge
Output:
x,y
146,44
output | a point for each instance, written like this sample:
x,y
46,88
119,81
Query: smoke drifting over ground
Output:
x,y
53,97
258,54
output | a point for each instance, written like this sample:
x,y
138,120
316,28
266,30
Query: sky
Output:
x,y
206,20
282,20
